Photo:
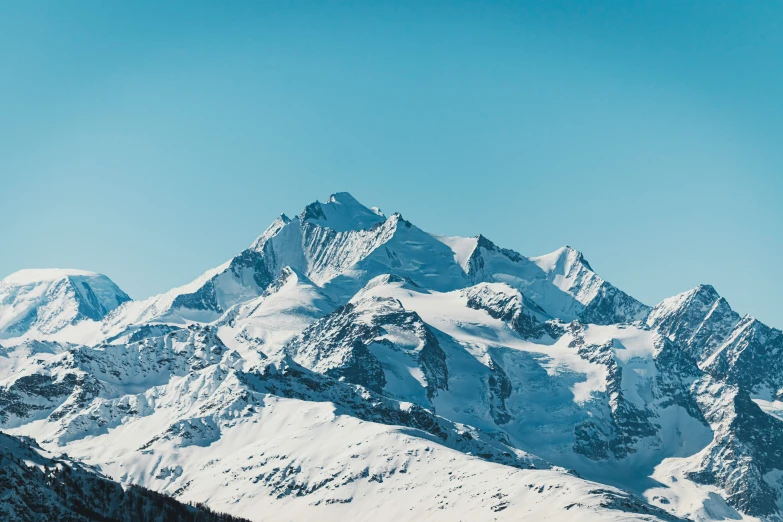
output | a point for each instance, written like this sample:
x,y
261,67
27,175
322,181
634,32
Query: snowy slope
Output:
x,y
303,460
342,212
264,324
37,486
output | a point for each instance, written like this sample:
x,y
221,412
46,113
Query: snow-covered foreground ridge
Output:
x,y
349,364
37,486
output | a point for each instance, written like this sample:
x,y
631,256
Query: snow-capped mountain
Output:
x,y
698,319
49,300
349,364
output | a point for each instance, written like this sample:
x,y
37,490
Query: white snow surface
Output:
x,y
463,248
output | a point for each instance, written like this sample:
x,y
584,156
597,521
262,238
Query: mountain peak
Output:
x,y
701,297
341,212
50,299
286,276
270,232
484,242
699,319
343,198
387,279
39,275
749,321
706,291
560,258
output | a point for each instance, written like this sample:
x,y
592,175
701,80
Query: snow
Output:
x,y
681,302
462,247
266,323
700,503
229,284
670,305
566,268
555,260
25,359
773,408
342,212
39,275
290,458
271,231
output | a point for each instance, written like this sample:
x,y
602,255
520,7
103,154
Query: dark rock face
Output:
x,y
747,446
609,305
312,211
476,266
175,353
591,441
359,366
524,316
699,322
750,358
676,372
378,362
739,359
500,388
136,334
612,306
36,395
629,504
206,299
748,440
629,422
339,344
78,375
202,299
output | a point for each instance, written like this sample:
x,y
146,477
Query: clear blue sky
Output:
x,y
151,141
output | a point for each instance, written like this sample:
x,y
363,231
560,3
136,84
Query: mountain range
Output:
x,y
349,364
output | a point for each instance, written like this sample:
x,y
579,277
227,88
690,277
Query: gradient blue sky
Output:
x,y
151,141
